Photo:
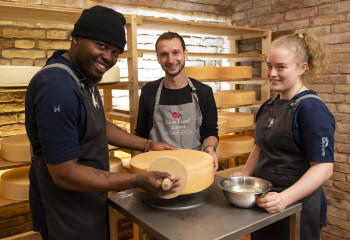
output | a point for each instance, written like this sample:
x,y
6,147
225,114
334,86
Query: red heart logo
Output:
x,y
176,115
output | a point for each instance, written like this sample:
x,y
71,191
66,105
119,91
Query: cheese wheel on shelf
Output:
x,y
15,183
222,125
115,165
202,72
234,72
238,97
235,144
16,148
218,99
237,119
111,76
199,166
17,76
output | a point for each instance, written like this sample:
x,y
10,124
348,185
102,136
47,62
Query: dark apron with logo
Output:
x,y
281,164
78,215
177,125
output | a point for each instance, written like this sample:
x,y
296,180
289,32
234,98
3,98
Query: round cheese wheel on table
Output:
x,y
16,148
238,97
237,119
235,144
199,166
202,72
15,183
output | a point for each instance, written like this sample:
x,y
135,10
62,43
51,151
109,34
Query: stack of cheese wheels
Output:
x,y
111,76
115,165
202,72
237,119
16,76
235,144
218,99
16,148
15,183
238,97
234,72
199,166
222,125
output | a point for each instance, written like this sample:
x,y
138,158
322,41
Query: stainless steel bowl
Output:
x,y
243,191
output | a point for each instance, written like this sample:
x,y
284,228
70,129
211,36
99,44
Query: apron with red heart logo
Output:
x,y
178,125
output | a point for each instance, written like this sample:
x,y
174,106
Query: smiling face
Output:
x,y
284,71
171,56
93,58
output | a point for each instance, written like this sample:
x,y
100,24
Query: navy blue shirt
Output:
x,y
61,114
313,129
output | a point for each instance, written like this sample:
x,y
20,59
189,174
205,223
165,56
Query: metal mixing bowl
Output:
x,y
243,191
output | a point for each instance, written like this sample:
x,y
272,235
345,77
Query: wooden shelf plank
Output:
x,y
225,156
120,116
164,24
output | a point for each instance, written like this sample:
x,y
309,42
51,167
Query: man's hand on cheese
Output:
x,y
151,182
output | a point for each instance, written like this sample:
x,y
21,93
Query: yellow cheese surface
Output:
x,y
234,72
222,125
15,183
115,164
199,166
235,144
218,99
238,97
111,76
16,148
202,72
237,119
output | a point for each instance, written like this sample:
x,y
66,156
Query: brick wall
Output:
x,y
329,19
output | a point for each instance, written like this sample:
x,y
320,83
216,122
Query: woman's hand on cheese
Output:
x,y
158,146
151,182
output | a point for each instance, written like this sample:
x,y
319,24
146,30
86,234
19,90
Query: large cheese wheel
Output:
x,y
16,76
16,148
222,125
115,165
111,76
218,99
234,72
237,119
238,97
202,72
199,166
15,184
235,144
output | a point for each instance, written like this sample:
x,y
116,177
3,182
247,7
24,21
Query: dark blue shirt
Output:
x,y
59,118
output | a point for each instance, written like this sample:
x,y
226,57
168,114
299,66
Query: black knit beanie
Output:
x,y
102,24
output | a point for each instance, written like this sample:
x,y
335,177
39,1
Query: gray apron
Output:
x,y
281,164
177,125
78,215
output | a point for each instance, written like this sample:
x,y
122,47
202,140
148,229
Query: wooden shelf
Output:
x,y
225,156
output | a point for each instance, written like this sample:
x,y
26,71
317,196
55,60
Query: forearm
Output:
x,y
210,141
252,162
308,183
118,137
72,176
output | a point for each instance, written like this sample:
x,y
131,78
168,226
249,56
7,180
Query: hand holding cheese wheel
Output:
x,y
175,168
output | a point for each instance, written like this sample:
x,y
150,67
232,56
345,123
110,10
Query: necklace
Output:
x,y
298,90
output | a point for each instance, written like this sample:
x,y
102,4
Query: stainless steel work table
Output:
x,y
216,218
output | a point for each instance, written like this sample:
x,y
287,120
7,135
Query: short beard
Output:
x,y
177,73
92,80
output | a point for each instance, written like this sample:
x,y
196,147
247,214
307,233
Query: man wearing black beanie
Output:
x,y
69,135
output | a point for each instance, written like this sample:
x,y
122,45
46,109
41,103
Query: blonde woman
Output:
x,y
294,137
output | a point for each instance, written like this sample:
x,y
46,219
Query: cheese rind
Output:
x,y
111,76
115,165
238,97
16,148
237,119
235,144
222,125
202,72
199,166
15,184
218,99
234,72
